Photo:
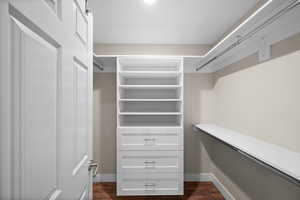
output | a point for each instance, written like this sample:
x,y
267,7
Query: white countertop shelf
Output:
x,y
150,86
140,125
150,73
150,113
282,160
155,100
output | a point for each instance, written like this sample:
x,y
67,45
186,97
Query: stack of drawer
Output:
x,y
150,161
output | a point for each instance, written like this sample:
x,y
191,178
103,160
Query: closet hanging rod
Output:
x,y
98,66
253,32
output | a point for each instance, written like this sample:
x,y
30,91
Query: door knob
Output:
x,y
93,167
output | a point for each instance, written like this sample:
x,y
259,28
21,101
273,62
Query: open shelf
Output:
x,y
150,86
150,91
146,80
149,124
150,68
150,120
149,73
148,107
150,100
150,113
146,64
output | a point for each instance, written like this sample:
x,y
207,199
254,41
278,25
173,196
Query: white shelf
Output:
x,y
152,100
280,158
149,73
150,125
150,113
150,86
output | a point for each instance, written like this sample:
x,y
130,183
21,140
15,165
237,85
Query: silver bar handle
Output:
x,y
149,139
150,162
150,185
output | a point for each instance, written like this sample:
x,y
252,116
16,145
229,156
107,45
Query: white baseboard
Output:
x,y
227,195
187,177
212,178
105,178
197,177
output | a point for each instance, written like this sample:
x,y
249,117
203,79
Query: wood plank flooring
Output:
x,y
192,191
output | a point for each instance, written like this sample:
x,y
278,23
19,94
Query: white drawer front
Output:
x,y
150,161
150,139
150,184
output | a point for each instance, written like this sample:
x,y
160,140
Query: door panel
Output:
x,y
39,120
36,69
55,5
81,109
81,24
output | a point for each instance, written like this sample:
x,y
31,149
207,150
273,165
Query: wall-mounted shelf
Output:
x,y
150,86
280,160
149,73
150,113
151,100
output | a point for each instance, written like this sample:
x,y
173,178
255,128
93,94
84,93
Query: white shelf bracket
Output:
x,y
264,50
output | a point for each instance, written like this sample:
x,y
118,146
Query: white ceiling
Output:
x,y
167,21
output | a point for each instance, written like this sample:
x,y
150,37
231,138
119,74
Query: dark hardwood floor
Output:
x,y
192,191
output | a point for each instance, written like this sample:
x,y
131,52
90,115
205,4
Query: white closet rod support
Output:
x,y
253,32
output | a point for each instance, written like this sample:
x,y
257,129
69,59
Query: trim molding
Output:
x,y
212,178
224,191
111,177
105,177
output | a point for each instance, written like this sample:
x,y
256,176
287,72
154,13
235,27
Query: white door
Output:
x,y
46,89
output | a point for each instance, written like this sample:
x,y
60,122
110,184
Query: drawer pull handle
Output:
x,y
149,139
150,185
149,162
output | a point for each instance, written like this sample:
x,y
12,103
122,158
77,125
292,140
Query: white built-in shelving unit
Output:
x,y
150,126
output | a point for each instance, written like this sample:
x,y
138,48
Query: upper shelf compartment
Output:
x,y
139,74
149,91
147,80
151,66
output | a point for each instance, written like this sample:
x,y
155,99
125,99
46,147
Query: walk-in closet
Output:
x,y
149,100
